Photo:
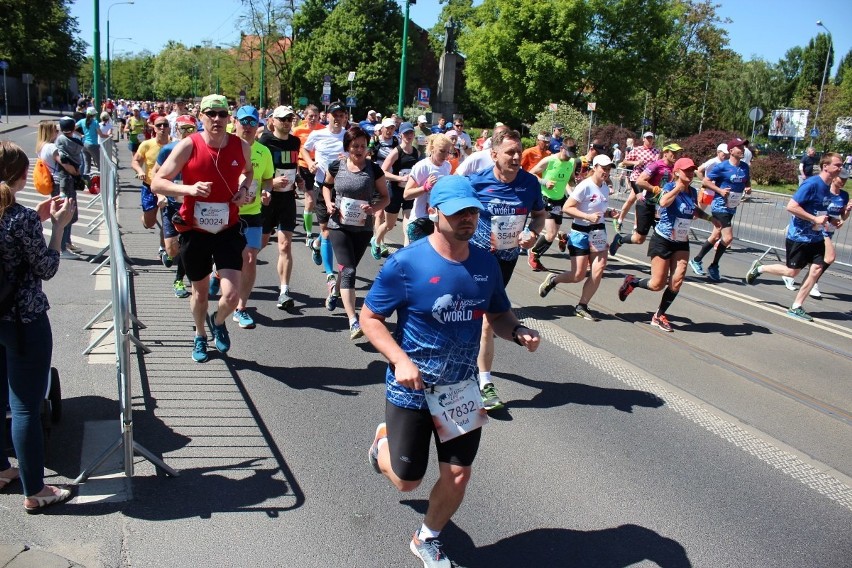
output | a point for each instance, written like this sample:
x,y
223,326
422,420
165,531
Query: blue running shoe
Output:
x,y
375,249
199,350
697,267
316,253
617,241
215,285
220,334
243,319
713,274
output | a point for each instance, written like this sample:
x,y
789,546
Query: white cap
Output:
x,y
648,134
388,122
422,119
722,148
601,160
369,112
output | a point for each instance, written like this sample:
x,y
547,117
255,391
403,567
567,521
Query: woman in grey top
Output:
x,y
26,343
348,191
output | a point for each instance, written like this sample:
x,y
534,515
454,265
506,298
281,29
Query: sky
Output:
x,y
759,28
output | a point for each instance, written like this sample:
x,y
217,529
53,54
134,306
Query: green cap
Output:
x,y
214,102
672,148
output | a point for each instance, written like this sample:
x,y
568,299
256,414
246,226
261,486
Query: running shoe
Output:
x,y
616,224
215,285
662,322
180,289
243,319
331,299
535,263
582,311
815,293
697,267
199,350
385,250
331,302
626,287
562,241
546,286
753,273
790,283
799,313
490,400
355,331
166,259
713,273
617,241
316,253
375,249
430,552
309,239
373,452
285,302
221,339
74,248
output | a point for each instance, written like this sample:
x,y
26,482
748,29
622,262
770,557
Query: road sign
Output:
x,y
351,101
326,79
755,114
27,79
325,98
4,65
326,88
591,106
553,107
303,101
646,122
814,132
423,95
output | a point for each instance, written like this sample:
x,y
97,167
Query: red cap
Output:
x,y
684,164
735,142
186,120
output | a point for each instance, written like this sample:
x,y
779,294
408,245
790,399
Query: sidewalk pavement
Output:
x,y
17,121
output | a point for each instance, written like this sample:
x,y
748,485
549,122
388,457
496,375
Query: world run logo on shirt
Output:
x,y
447,309
500,207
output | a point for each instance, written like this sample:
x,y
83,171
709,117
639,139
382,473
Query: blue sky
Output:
x,y
760,28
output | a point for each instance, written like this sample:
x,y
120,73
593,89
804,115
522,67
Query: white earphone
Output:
x,y
433,217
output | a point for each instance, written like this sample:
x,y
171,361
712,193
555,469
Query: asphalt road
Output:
x,y
726,443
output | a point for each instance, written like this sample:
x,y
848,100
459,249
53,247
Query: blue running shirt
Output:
x,y
505,201
683,207
814,196
728,176
835,209
440,305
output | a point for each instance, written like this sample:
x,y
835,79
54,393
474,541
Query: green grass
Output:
x,y
784,189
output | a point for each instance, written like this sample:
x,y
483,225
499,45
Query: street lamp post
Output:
x,y
108,68
824,72
403,63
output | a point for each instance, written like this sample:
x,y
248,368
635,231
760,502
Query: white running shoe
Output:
x,y
790,283
815,293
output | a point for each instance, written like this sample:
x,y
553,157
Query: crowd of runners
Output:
x,y
224,180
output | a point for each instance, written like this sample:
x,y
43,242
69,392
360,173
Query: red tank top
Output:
x,y
221,166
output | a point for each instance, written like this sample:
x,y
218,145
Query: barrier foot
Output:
x,y
93,200
100,338
138,343
95,220
767,251
95,228
138,323
103,263
87,473
155,461
97,317
101,253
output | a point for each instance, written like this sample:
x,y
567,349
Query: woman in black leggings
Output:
x,y
348,190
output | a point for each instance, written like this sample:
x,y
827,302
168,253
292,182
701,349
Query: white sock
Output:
x,y
760,269
484,379
426,533
796,306
285,288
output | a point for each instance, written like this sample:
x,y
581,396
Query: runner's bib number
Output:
x,y
456,409
289,176
506,229
817,227
351,212
597,240
140,137
211,217
680,230
252,191
733,199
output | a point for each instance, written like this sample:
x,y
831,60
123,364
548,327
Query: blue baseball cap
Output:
x,y
246,112
451,194
405,127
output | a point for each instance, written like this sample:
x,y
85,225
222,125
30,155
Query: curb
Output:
x,y
13,128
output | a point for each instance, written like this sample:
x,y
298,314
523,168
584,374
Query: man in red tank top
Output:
x,y
216,171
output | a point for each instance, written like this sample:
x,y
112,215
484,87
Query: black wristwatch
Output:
x,y
515,333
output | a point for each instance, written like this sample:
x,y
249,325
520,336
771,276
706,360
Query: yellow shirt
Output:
x,y
149,149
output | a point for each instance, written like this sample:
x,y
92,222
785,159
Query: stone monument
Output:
x,y
446,106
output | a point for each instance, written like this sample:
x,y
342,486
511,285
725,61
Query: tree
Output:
x,y
41,40
522,54
814,63
173,72
576,123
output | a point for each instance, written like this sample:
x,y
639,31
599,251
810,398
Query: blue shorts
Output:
x,y
171,208
149,200
252,229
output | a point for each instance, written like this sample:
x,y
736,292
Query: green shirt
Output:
x,y
261,163
560,172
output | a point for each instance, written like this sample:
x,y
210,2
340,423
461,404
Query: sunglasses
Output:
x,y
459,124
248,121
187,129
466,211
285,118
161,125
220,114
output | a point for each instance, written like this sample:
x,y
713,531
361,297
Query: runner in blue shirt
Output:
x,y
729,180
669,245
442,290
512,200
805,242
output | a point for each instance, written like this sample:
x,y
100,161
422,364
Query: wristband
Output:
x,y
243,188
515,333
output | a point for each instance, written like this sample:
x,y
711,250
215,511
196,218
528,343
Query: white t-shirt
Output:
x,y
591,198
106,128
476,162
464,143
46,155
708,165
327,147
420,173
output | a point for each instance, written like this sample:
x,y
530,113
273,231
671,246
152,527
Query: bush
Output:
x,y
702,147
610,134
774,168
576,123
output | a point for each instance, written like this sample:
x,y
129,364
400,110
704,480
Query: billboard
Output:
x,y
843,129
789,123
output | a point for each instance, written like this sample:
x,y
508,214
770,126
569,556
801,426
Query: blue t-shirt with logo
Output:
x,y
734,178
504,201
836,205
814,196
90,133
440,305
683,207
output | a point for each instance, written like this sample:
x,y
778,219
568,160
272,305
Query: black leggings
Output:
x,y
349,246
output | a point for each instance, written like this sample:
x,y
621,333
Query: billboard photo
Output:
x,y
789,123
843,129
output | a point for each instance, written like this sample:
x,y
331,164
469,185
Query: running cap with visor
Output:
x,y
283,111
672,148
648,134
683,164
214,102
602,160
451,194
247,111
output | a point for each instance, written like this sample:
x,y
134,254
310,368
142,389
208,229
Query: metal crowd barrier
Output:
x,y
761,221
122,322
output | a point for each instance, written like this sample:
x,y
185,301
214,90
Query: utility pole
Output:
x,y
403,64
96,71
